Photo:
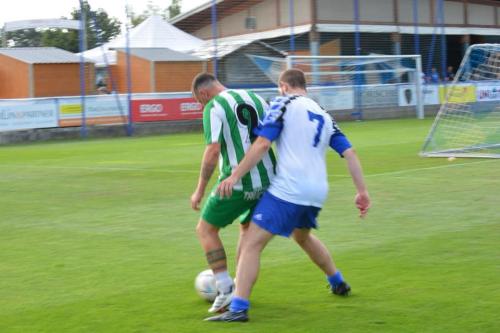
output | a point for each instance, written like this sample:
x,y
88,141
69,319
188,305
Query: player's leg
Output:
x,y
252,244
272,216
243,231
245,219
318,252
315,249
211,243
216,214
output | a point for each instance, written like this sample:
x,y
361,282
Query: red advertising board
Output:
x,y
166,109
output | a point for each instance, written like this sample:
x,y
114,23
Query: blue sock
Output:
x,y
335,279
239,304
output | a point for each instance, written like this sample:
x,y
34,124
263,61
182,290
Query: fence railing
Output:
x,y
22,114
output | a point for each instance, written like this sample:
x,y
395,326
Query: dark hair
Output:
x,y
294,77
202,79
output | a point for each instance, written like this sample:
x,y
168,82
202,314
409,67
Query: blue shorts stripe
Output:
x,y
280,217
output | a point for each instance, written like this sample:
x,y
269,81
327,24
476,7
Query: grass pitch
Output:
x,y
98,236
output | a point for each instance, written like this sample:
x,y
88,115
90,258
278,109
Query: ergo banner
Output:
x,y
166,109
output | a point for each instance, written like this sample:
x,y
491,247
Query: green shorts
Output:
x,y
222,212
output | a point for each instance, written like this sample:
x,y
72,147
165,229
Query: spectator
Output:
x,y
450,74
434,77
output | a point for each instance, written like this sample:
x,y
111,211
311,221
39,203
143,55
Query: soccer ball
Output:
x,y
205,285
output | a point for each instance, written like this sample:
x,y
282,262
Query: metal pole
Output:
x,y
291,14
358,95
444,55
357,40
83,128
214,35
416,36
109,72
130,128
430,58
418,88
4,37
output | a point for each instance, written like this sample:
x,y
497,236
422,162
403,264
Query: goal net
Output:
x,y
364,85
468,123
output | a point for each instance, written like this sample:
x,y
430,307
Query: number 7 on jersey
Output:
x,y
321,121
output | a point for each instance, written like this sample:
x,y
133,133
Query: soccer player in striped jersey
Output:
x,y
229,118
302,131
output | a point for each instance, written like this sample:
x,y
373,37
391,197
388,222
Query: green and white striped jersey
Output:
x,y
229,119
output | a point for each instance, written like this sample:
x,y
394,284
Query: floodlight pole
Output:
x,y
292,23
214,35
443,41
83,128
130,128
416,36
358,95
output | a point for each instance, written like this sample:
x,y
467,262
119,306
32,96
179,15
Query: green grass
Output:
x,y
98,236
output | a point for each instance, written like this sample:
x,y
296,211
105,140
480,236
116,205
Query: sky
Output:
x,y
42,9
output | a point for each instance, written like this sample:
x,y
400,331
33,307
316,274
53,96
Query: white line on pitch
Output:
x,y
196,172
390,173
96,168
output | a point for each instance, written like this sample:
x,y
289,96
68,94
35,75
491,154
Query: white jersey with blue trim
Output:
x,y
305,132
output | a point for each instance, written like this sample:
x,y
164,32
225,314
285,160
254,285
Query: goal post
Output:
x,y
376,81
468,122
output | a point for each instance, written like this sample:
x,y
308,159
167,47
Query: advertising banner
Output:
x,y
408,96
98,110
379,96
460,93
21,115
487,93
146,110
338,98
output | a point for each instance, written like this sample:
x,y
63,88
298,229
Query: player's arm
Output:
x,y
343,147
212,127
256,152
362,199
208,165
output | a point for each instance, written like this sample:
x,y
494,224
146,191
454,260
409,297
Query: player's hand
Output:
x,y
225,188
196,199
362,201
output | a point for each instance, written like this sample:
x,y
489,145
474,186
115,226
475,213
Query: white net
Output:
x,y
468,123
360,84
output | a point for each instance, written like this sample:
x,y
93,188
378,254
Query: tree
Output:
x,y
152,9
100,28
25,38
174,9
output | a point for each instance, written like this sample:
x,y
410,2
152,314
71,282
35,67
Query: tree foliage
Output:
x,y
175,8
151,9
100,28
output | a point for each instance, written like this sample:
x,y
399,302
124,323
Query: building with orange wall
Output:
x,y
42,72
157,70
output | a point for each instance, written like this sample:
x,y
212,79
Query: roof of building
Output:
x,y
154,32
41,55
161,54
228,45
200,16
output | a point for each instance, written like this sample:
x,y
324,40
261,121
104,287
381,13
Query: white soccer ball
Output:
x,y
205,285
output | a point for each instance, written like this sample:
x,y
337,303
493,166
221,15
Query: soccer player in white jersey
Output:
x,y
302,131
229,118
